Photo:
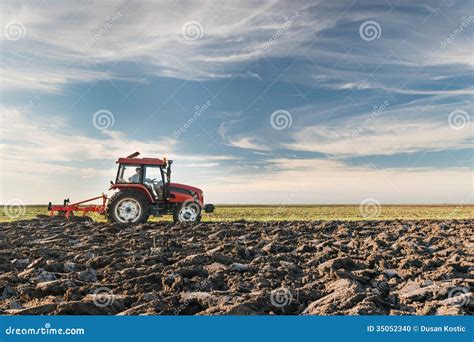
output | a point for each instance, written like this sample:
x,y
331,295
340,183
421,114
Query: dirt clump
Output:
x,y
52,266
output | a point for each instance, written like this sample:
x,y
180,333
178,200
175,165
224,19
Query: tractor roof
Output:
x,y
141,161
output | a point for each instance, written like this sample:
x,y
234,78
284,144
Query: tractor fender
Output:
x,y
137,187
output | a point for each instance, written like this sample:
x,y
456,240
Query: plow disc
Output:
x,y
69,210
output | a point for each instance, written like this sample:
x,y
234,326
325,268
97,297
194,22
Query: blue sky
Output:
x,y
273,101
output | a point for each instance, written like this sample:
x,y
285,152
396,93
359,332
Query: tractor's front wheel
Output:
x,y
128,207
187,212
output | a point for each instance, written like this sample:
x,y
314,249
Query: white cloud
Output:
x,y
65,42
46,78
68,42
34,152
346,130
417,126
76,37
28,135
333,182
250,143
39,164
390,137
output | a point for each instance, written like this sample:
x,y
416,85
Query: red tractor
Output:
x,y
144,189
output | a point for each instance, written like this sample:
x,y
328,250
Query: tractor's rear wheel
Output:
x,y
187,212
128,207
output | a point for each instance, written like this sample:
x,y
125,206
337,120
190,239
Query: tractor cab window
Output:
x,y
129,174
153,179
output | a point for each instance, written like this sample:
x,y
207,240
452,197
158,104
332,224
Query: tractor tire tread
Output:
x,y
176,210
128,193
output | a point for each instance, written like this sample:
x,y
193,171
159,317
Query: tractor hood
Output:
x,y
185,187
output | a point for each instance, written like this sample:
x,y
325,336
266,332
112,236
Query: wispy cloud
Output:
x,y
329,181
249,143
33,151
415,127
251,59
150,34
349,130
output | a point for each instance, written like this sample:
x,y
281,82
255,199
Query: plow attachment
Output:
x,y
67,209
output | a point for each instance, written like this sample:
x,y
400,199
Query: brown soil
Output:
x,y
49,266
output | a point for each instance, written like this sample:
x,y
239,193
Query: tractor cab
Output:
x,y
150,175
